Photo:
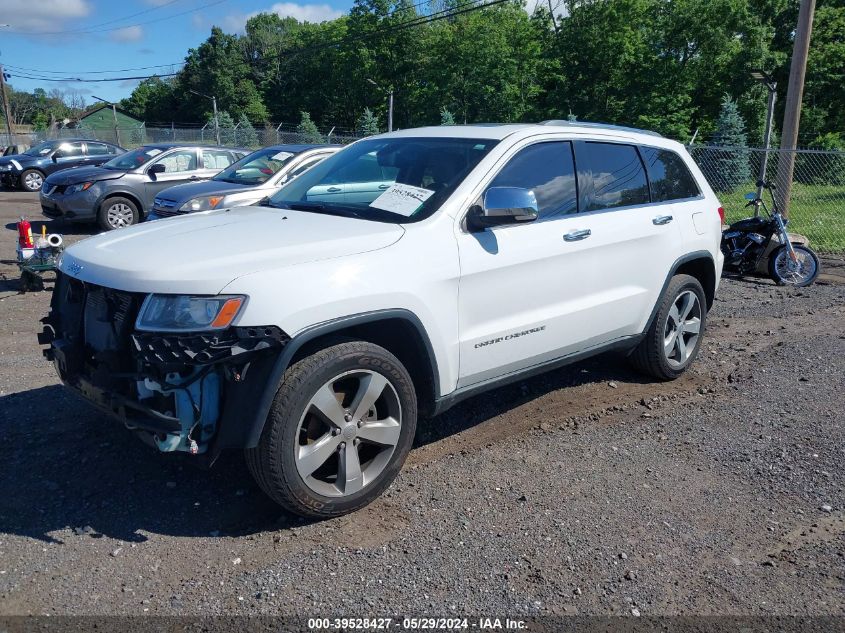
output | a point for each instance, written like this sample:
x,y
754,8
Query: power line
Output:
x,y
85,80
90,72
126,26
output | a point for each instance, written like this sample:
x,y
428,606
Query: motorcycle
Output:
x,y
761,243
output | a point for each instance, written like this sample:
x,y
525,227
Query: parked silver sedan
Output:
x,y
255,176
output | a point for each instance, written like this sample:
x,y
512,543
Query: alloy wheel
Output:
x,y
33,181
348,433
119,215
683,326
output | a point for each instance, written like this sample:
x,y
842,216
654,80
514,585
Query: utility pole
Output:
x,y
390,112
794,96
5,105
771,85
216,124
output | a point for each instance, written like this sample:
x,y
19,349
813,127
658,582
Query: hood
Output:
x,y
201,253
183,193
83,174
21,159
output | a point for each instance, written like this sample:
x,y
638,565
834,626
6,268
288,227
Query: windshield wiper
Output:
x,y
317,207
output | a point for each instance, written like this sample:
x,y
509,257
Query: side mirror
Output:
x,y
504,205
158,168
57,155
264,202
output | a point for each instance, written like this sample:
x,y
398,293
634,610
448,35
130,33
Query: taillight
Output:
x,y
722,215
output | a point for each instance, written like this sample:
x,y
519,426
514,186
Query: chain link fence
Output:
x,y
817,203
250,138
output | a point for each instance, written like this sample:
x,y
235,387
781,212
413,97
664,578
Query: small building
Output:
x,y
100,119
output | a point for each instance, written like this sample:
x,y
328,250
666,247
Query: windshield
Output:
x,y
388,179
135,158
42,149
255,168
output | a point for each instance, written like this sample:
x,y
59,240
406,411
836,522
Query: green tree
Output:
x,y
368,123
727,169
246,134
308,129
446,117
227,127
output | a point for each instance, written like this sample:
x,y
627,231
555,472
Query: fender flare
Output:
x,y
272,380
672,271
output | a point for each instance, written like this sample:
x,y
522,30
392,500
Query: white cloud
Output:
x,y
235,23
128,34
44,15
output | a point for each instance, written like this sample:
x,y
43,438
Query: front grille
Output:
x,y
109,318
167,213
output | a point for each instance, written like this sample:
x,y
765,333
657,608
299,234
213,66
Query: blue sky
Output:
x,y
73,38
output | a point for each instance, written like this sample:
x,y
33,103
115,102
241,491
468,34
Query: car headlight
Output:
x,y
186,313
82,186
203,203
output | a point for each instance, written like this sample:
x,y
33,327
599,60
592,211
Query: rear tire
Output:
x,y
339,430
674,336
117,213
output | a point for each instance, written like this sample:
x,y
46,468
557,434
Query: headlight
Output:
x,y
204,203
82,186
185,313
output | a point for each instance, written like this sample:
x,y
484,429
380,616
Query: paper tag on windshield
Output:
x,y
402,199
282,156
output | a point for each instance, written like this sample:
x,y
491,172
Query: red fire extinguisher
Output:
x,y
25,233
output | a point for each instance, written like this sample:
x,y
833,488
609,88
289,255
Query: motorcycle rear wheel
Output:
x,y
785,272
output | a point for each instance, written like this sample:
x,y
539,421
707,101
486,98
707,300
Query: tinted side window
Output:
x,y
615,175
549,171
98,149
185,160
668,175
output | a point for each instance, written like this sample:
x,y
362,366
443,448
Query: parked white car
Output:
x,y
314,332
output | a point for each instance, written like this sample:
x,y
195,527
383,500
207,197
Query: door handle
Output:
x,y
574,236
333,189
194,178
662,219
384,187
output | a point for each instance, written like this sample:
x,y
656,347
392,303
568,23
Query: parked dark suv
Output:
x,y
29,169
121,192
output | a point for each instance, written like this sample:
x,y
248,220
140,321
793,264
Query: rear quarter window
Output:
x,y
669,176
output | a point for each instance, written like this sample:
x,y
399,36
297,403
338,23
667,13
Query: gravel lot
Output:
x,y
584,491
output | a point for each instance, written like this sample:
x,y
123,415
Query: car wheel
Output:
x,y
338,432
31,180
116,213
674,336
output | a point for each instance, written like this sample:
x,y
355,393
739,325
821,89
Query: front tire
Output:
x,y
31,180
117,213
339,430
785,272
674,336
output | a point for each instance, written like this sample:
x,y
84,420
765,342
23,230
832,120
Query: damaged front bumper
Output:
x,y
189,392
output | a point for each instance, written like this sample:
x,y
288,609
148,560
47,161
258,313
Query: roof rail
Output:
x,y
603,126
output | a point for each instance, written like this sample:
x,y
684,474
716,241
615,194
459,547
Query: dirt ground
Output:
x,y
588,490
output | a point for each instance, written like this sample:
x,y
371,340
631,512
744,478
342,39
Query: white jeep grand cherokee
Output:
x,y
399,276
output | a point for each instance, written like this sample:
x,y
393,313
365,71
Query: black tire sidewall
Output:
x,y
678,285
371,357
798,247
23,180
102,214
